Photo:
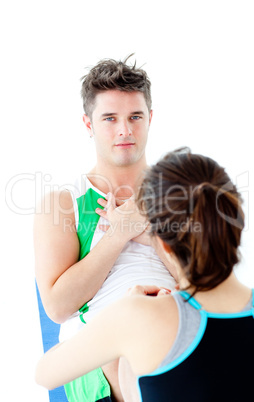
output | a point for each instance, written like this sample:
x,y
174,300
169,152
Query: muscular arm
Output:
x,y
65,283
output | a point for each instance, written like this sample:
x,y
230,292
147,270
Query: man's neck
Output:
x,y
123,182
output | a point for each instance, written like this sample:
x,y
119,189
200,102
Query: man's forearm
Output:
x,y
79,283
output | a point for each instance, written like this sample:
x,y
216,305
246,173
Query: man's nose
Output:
x,y
124,129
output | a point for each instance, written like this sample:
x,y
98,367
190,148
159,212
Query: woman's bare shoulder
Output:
x,y
151,325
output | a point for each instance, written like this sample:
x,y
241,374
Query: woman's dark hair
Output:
x,y
193,206
111,74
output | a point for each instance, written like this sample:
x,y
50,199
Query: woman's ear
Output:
x,y
166,247
167,256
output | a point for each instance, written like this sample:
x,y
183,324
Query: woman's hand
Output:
x,y
148,291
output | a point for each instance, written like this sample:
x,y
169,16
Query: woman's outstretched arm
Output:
x,y
96,344
126,328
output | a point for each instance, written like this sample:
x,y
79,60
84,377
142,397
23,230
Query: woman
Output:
x,y
198,342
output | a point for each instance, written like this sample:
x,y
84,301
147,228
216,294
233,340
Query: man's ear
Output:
x,y
150,117
88,124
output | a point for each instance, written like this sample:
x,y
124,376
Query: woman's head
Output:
x,y
193,206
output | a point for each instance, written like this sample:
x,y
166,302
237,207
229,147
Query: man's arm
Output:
x,y
65,283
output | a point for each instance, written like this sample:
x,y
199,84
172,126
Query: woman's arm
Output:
x,y
137,327
96,344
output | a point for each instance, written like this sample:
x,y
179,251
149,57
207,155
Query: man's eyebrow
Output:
x,y
110,114
138,112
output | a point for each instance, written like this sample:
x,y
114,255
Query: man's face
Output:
x,y
120,123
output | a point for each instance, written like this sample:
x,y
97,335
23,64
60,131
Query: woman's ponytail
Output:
x,y
193,207
214,247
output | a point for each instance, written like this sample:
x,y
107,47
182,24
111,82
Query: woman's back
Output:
x,y
210,360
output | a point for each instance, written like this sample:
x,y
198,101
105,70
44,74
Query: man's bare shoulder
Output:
x,y
55,213
60,200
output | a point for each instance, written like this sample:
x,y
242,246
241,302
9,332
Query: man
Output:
x,y
80,271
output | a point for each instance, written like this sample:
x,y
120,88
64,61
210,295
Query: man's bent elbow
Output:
x,y
57,313
54,305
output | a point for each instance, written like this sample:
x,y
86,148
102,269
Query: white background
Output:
x,y
199,56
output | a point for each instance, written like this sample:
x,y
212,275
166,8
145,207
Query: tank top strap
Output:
x,y
191,300
252,297
194,303
252,310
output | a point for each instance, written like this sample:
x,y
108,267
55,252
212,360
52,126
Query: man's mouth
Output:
x,y
125,145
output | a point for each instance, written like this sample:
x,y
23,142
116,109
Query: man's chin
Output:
x,y
125,162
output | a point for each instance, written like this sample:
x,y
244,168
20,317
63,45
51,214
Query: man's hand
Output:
x,y
125,219
148,291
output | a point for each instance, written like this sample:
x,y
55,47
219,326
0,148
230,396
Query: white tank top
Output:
x,y
136,265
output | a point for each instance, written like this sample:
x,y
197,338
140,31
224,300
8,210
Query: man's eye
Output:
x,y
109,118
135,117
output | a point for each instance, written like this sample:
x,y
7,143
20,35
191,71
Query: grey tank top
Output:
x,y
189,322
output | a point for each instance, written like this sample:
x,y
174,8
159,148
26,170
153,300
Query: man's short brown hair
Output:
x,y
111,74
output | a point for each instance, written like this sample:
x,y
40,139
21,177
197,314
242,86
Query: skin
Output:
x,y
119,126
151,331
58,271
